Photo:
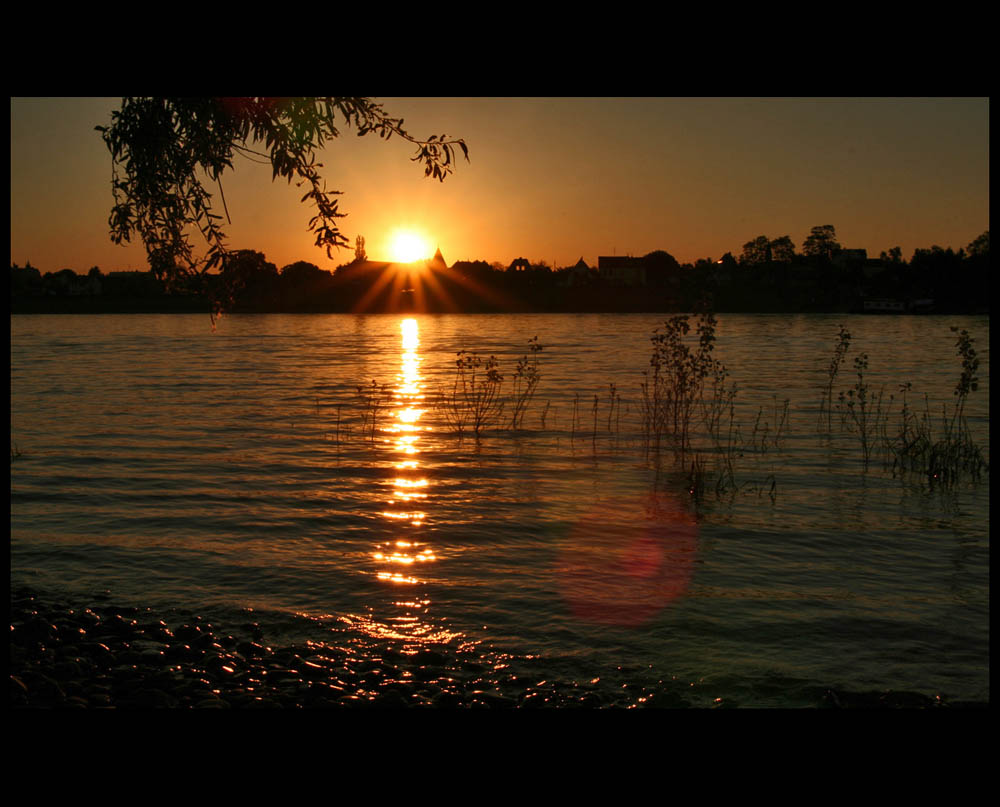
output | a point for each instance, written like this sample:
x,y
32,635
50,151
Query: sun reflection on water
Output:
x,y
400,558
410,484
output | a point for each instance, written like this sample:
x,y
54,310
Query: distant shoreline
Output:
x,y
70,306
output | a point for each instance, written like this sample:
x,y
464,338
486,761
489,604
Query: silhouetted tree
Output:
x,y
359,249
161,148
782,249
248,275
302,273
894,255
822,242
981,246
756,251
661,268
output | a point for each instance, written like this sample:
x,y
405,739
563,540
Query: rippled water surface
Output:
x,y
242,469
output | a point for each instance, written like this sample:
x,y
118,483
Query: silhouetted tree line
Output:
x,y
768,276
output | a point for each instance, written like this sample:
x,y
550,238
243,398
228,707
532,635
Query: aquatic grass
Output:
x,y
675,382
524,383
719,401
594,433
687,410
968,381
942,455
371,398
337,433
612,397
864,410
699,480
839,354
689,405
475,398
781,422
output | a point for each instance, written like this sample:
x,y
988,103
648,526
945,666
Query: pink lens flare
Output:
x,y
627,559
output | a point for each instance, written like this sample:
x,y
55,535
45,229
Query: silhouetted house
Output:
x,y
67,283
851,257
132,282
873,267
519,265
25,280
621,270
576,275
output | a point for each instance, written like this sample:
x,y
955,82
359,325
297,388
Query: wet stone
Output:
x,y
180,653
130,657
429,657
390,700
188,633
212,703
251,650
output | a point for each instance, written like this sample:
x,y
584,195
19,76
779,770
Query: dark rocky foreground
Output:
x,y
118,657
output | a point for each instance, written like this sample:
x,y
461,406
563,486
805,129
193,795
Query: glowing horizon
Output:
x,y
696,177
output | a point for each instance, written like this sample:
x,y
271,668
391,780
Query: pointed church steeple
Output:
x,y
437,262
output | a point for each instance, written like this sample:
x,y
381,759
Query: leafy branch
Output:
x,y
165,150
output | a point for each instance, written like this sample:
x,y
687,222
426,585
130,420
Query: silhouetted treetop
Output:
x,y
162,148
763,250
981,246
756,251
660,267
822,242
782,249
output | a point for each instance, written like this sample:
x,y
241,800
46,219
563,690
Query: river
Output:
x,y
323,473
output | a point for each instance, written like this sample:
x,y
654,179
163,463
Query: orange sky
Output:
x,y
558,179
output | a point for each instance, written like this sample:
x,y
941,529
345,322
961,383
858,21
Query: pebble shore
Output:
x,y
121,657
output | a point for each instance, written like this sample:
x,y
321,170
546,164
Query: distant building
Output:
x,y
437,262
848,257
576,275
621,270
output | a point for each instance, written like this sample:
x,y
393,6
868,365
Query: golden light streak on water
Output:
x,y
410,415
411,334
409,485
398,558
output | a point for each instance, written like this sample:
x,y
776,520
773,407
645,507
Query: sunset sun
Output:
x,y
406,246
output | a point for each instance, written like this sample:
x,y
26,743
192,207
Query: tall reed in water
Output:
x,y
475,396
839,353
864,409
524,382
371,398
952,453
676,379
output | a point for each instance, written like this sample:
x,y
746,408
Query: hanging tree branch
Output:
x,y
161,147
